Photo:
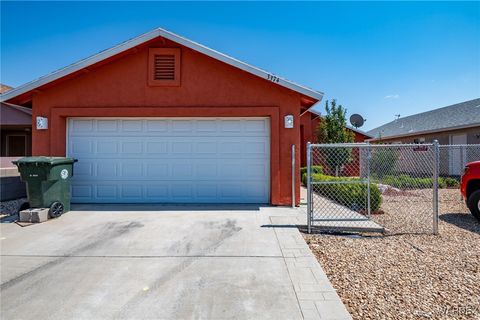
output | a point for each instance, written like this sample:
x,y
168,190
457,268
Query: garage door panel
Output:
x,y
155,147
166,127
107,125
170,160
80,191
106,191
81,125
153,126
157,192
132,125
184,169
132,191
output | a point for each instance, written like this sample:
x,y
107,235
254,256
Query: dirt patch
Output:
x,y
408,276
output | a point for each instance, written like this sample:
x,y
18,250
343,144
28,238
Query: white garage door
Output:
x,y
170,160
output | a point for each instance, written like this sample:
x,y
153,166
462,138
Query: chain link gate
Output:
x,y
361,187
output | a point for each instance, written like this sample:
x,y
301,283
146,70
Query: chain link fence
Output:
x,y
363,187
453,159
393,188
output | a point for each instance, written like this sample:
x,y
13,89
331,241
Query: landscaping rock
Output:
x,y
408,276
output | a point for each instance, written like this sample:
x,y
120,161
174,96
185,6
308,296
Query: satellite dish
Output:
x,y
356,120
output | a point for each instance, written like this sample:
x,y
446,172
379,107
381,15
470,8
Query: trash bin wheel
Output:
x,y
56,209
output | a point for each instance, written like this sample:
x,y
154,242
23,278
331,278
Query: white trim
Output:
x,y
144,38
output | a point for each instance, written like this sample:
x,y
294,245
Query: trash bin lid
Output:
x,y
44,160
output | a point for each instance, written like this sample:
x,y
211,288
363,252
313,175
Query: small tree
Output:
x,y
332,129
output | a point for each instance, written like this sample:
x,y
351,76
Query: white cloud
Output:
x,y
392,96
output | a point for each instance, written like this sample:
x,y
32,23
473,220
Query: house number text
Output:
x,y
273,78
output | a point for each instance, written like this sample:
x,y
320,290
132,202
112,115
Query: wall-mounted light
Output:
x,y
42,123
289,121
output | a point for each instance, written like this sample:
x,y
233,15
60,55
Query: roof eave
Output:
x,y
472,125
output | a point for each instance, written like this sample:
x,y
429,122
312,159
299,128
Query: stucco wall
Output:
x,y
309,123
118,88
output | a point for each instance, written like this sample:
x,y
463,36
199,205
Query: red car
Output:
x,y
470,187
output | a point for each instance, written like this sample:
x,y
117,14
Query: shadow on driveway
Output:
x,y
462,220
167,207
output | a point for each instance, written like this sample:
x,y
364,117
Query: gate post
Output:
x,y
309,187
436,159
293,176
368,179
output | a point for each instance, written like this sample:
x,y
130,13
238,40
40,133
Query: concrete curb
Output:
x,y
316,296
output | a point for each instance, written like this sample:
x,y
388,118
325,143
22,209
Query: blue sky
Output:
x,y
376,58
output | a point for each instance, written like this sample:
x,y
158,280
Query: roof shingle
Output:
x,y
458,115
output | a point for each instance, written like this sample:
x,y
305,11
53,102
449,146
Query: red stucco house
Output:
x,y
162,119
310,120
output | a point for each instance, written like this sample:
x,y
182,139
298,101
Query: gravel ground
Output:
x,y
405,275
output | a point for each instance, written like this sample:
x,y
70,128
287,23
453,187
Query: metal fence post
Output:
x,y
293,176
309,188
436,160
369,209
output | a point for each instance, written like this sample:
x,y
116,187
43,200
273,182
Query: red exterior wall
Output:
x,y
119,88
309,122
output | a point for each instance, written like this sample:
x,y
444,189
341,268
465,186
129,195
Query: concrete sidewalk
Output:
x,y
164,262
332,216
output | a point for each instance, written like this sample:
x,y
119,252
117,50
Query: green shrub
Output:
x,y
313,170
404,181
353,196
450,182
383,161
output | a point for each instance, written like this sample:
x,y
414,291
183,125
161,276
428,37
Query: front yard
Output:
x,y
408,276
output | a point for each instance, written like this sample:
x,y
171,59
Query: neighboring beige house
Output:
x,y
457,124
15,129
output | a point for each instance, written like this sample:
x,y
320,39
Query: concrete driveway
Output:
x,y
168,262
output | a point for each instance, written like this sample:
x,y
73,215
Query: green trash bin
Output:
x,y
48,182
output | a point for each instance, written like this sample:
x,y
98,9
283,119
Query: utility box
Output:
x,y
48,182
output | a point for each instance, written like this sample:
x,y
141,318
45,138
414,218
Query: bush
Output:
x,y
383,161
353,196
313,170
450,182
404,181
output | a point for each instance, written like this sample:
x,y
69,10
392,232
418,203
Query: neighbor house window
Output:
x,y
419,140
164,67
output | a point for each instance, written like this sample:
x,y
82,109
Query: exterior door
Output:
x,y
16,145
457,158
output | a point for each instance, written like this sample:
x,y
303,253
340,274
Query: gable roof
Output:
x,y
13,115
159,32
456,116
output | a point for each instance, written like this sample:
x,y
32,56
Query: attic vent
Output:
x,y
164,67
